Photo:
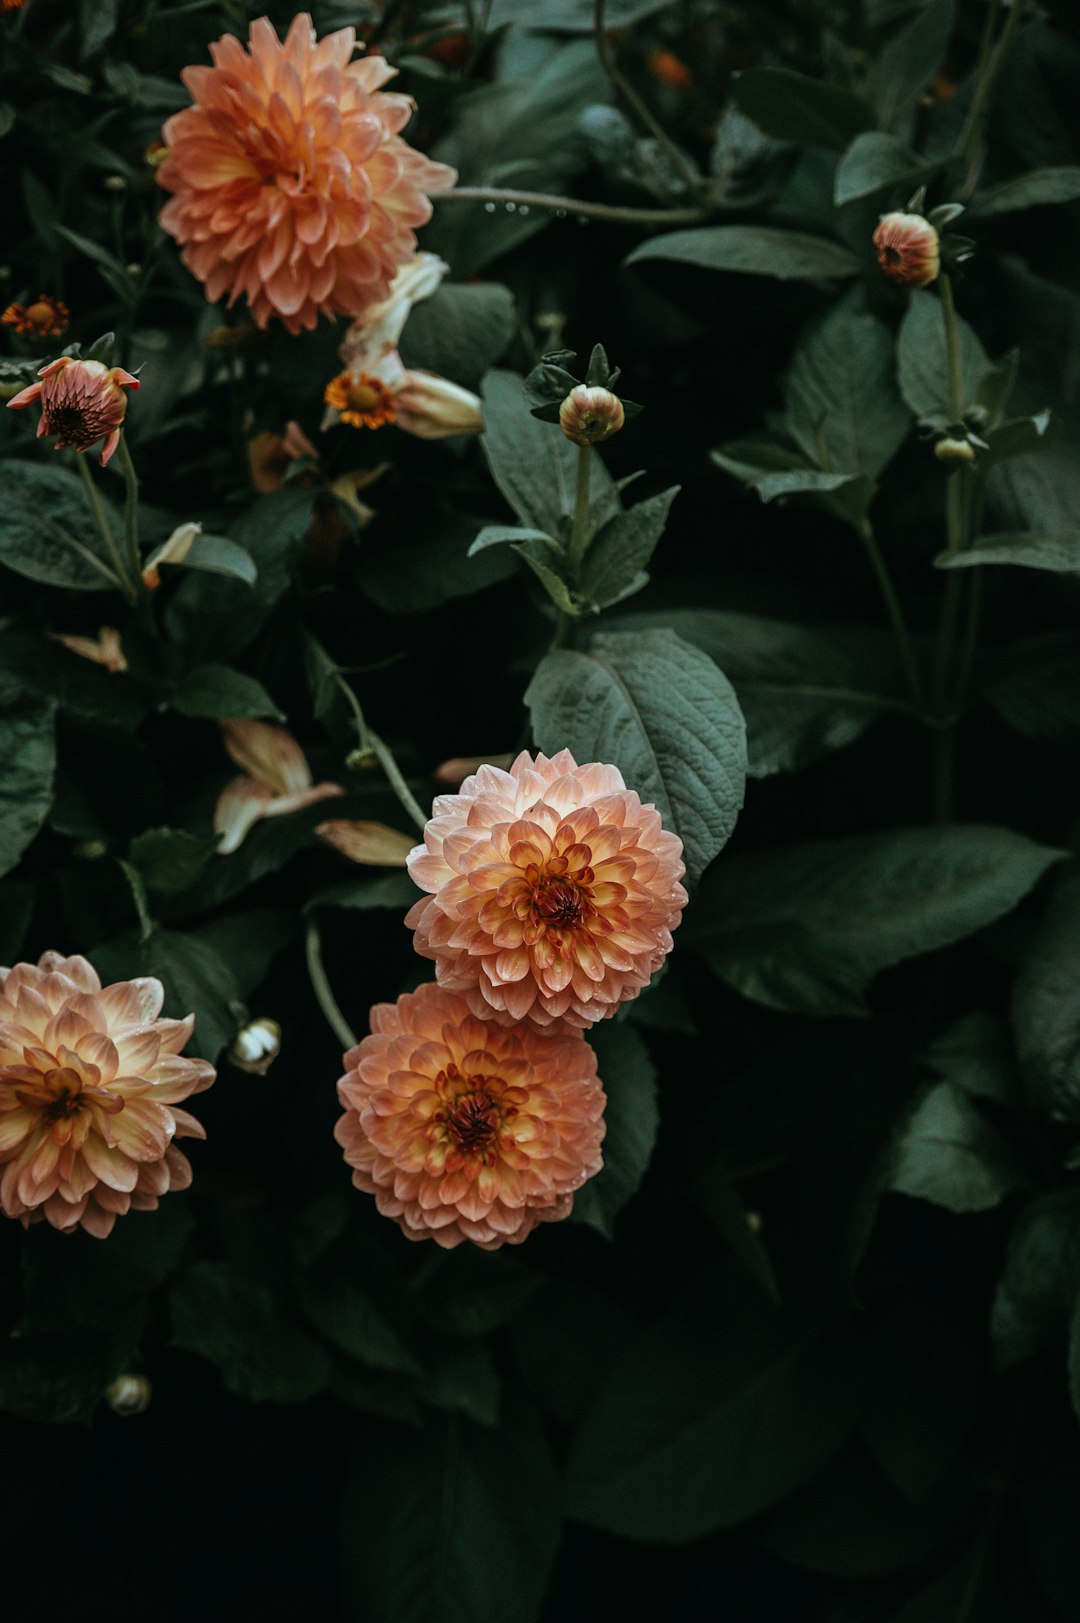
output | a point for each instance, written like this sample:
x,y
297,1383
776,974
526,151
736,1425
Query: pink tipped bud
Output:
x,y
590,414
908,249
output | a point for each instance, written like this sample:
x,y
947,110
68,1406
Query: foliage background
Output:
x,y
809,1346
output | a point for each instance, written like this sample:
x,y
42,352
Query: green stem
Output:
x,y
131,508
956,540
368,739
645,115
119,573
572,205
579,535
952,344
989,69
321,987
895,612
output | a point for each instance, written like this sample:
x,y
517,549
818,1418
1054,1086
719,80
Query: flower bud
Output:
x,y
590,414
256,1046
954,450
908,249
129,1394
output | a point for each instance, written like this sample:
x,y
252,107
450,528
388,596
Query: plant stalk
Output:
x,y
557,204
630,95
895,612
321,987
118,571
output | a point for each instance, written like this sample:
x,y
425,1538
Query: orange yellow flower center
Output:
x,y
362,402
63,1087
559,902
473,1110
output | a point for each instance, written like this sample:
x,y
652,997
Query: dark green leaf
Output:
x,y
472,1293
922,356
97,25
807,927
909,61
217,555
408,575
497,535
631,1119
170,859
951,1154
1040,186
28,751
458,1524
389,890
215,690
662,712
876,162
535,465
620,551
808,112
843,408
566,1340
1035,1300
1037,690
721,1409
547,563
235,1322
461,332
753,250
1058,553
43,511
195,979
463,1377
923,1396
1046,1008
337,1307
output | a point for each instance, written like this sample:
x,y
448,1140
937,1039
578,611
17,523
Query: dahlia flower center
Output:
x,y
473,1121
63,1088
893,255
474,1110
558,902
40,315
363,401
72,423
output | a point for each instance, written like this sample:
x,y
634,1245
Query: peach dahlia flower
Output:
x,y
463,1130
554,891
291,182
81,402
90,1080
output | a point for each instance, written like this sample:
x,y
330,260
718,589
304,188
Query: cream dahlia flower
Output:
x,y
291,182
464,1130
90,1080
554,891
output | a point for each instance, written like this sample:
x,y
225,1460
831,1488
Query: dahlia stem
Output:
x,y
607,61
131,508
579,535
368,739
556,204
896,614
321,987
990,66
952,344
118,574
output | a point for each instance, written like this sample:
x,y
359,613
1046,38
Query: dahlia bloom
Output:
x,y
291,182
377,388
908,249
90,1080
463,1130
277,779
81,402
45,318
554,891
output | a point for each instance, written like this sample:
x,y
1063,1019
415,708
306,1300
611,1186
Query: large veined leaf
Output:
x,y
923,360
1039,186
753,250
807,927
234,1321
1046,1008
1060,553
793,107
909,61
719,1410
458,1523
461,331
665,715
877,162
953,1155
843,408
47,529
630,1118
28,749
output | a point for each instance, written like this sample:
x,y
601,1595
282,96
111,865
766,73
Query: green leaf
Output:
x,y
337,1307
876,162
234,1321
497,535
46,527
566,1340
1058,553
620,551
909,60
752,250
28,751
471,1294
803,692
923,1394
843,408
457,1524
807,112
217,555
1038,187
7,123
547,563
170,859
631,1119
660,711
950,1153
195,978
409,574
807,927
1037,688
75,1285
721,1409
463,1377
923,360
1046,1008
461,331
215,690
111,269
1020,436
1034,1303
389,890
535,465
97,25
780,473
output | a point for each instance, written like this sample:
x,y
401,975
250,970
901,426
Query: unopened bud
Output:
x,y
590,414
129,1394
908,249
115,183
954,450
255,1048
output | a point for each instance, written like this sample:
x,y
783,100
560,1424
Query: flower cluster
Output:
x,y
473,1110
90,1083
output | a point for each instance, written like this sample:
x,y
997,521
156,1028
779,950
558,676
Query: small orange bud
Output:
x,y
908,249
669,69
589,414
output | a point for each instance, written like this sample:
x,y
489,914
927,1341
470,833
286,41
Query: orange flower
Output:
x,y
81,402
669,69
291,182
11,5
555,891
90,1080
45,318
362,402
277,780
908,249
463,1130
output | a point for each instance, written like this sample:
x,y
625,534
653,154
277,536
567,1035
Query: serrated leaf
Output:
x,y
217,691
547,563
807,927
497,535
28,751
842,404
752,250
877,162
1059,554
662,712
951,1153
923,360
1035,189
620,550
631,1119
43,511
793,107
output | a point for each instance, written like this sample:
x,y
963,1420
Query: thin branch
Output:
x,y
557,204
